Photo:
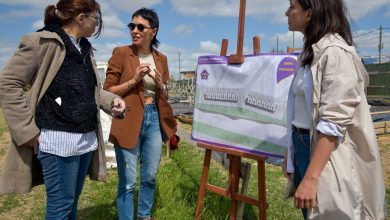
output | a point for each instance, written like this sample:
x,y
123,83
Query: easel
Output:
x,y
234,155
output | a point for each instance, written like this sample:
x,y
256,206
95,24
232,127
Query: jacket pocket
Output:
x,y
335,174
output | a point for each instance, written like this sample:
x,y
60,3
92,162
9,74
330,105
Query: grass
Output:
x,y
176,194
3,125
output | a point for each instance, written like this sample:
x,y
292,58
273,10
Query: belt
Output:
x,y
300,130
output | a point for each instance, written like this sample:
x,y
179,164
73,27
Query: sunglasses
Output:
x,y
140,27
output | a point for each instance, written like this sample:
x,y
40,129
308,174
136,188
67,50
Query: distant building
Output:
x,y
294,50
101,70
187,75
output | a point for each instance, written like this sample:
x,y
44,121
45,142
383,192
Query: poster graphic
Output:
x,y
243,106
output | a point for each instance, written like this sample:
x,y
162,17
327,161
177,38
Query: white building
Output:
x,y
105,120
101,68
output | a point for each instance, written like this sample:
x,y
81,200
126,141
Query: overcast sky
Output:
x,y
197,27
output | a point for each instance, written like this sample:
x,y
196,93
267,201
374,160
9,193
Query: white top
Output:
x,y
76,42
149,85
323,126
301,119
66,144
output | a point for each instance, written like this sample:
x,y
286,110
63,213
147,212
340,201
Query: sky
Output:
x,y
192,28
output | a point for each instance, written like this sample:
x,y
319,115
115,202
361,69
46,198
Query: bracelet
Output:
x,y
162,88
128,85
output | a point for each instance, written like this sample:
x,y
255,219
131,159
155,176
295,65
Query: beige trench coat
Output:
x,y
34,65
351,185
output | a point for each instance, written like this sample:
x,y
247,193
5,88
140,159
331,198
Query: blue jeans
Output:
x,y
148,150
64,179
301,159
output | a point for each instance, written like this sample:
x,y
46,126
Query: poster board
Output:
x,y
244,106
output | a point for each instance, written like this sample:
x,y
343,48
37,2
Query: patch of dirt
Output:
x,y
4,145
185,126
9,216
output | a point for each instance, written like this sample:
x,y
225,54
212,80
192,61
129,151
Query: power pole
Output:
x,y
380,45
277,44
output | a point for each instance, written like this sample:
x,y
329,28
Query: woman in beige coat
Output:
x,y
332,154
50,99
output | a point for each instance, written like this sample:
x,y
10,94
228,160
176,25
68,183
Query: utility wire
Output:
x,y
369,32
360,41
360,35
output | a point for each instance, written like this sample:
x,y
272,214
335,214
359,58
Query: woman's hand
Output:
x,y
306,194
118,107
157,77
34,143
141,72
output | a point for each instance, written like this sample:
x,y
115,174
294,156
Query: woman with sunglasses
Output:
x,y
139,73
50,98
333,155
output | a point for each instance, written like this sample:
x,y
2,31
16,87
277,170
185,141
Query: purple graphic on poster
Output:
x,y
286,68
204,74
212,60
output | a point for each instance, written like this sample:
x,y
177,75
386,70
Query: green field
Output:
x,y
177,190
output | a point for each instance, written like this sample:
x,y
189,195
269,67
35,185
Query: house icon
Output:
x,y
204,74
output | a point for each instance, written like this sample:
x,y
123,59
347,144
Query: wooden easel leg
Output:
x,y
261,189
234,174
245,172
203,184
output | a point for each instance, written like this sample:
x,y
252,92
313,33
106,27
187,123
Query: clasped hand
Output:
x,y
144,69
118,107
34,143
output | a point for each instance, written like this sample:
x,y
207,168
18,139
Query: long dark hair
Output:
x,y
151,16
328,17
65,11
